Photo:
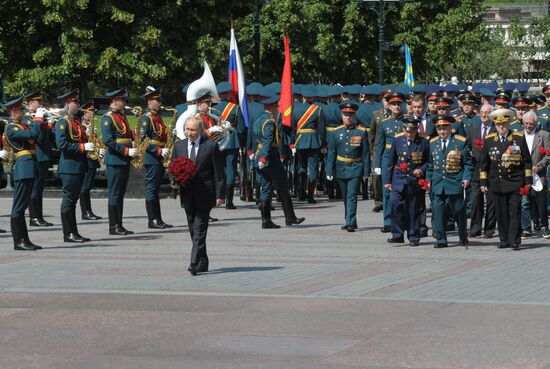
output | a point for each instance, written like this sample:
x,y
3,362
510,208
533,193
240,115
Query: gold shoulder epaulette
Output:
x,y
28,114
491,135
66,117
340,126
459,117
148,114
423,135
517,133
110,113
400,134
385,119
434,139
460,138
364,129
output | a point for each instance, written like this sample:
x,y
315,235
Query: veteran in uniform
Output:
x,y
21,137
153,127
43,157
3,154
348,158
407,164
505,169
268,166
72,141
449,172
117,136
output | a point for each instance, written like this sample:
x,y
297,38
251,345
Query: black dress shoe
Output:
x,y
125,230
164,224
22,245
38,222
268,224
440,245
489,234
344,227
88,215
450,227
464,243
385,229
155,224
377,209
230,206
2,231
72,237
474,234
503,245
396,240
86,239
350,229
202,267
414,243
423,232
294,220
515,246
192,269
211,219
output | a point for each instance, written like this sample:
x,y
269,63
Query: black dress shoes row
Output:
x,y
39,222
74,237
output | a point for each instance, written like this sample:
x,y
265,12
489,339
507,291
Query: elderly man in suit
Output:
x,y
206,189
533,207
476,135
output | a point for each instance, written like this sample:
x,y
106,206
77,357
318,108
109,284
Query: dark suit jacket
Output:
x,y
476,143
209,182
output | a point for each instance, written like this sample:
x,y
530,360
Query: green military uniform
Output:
x,y
118,137
21,137
449,164
349,161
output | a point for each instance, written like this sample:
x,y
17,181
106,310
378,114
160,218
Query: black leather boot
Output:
x,y
302,196
120,209
265,209
18,234
68,233
39,204
229,194
152,216
311,192
114,226
159,215
75,226
288,209
86,207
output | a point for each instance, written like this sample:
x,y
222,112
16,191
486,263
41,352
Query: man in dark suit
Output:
x,y
206,189
476,135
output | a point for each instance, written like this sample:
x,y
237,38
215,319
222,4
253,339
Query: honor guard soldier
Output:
x,y
308,123
21,137
71,139
230,112
87,111
449,173
407,164
3,153
43,157
348,158
153,127
390,127
117,136
268,166
506,170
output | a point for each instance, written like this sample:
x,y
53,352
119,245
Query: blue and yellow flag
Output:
x,y
409,76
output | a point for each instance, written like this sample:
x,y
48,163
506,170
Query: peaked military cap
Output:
x,y
419,89
502,98
254,88
484,91
309,91
522,102
89,106
394,96
354,89
509,86
443,120
14,104
433,96
546,89
223,87
500,116
444,102
410,123
522,87
468,97
451,88
69,96
35,95
151,93
117,94
348,107
539,99
270,100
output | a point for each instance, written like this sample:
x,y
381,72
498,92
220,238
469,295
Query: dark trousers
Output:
x,y
405,213
40,180
478,210
349,187
377,189
508,210
22,190
70,186
231,160
117,182
444,205
308,162
536,204
197,221
153,179
88,182
274,173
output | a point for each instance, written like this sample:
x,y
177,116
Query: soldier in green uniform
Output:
x,y
21,137
449,172
333,119
348,158
378,116
268,166
543,112
308,128
43,157
117,136
506,168
72,141
3,153
153,127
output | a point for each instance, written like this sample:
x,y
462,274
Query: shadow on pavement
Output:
x,y
243,269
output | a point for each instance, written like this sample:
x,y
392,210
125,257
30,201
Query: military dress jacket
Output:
x,y
308,126
21,137
390,127
153,126
404,158
43,141
117,136
70,137
348,152
266,135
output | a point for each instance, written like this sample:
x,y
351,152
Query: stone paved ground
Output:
x,y
311,296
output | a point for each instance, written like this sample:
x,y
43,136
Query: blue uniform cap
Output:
x,y
492,86
450,88
14,104
117,94
309,91
348,107
419,89
69,96
486,92
522,87
403,89
270,100
476,87
509,86
35,95
354,89
443,120
152,93
223,87
410,123
254,88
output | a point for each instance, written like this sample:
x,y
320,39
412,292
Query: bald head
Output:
x,y
484,112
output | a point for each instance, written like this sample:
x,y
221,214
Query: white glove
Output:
x,y
330,178
40,112
293,151
132,153
323,150
251,156
164,152
378,171
102,152
3,154
261,165
88,146
215,129
51,120
227,125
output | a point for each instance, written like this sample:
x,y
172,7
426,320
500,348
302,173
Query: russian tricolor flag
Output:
x,y
236,77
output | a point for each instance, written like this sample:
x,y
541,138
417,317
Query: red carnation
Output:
x,y
478,143
524,190
542,150
183,169
424,183
403,167
547,151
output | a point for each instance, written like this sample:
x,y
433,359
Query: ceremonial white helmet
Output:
x,y
502,115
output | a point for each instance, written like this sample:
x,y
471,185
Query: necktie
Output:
x,y
484,131
421,126
193,154
502,139
444,145
409,142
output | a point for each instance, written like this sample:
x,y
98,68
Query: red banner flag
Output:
x,y
285,102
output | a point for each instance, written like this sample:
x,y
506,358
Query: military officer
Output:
x,y
449,173
230,112
505,169
469,116
407,164
71,139
21,137
117,136
3,153
378,116
43,157
268,166
390,127
308,128
543,112
87,118
348,158
153,127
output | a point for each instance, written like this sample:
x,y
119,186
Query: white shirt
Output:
x,y
422,119
529,137
190,146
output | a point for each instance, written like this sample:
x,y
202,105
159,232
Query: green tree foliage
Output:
x,y
532,44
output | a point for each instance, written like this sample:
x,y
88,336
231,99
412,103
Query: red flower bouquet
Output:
x,y
183,170
478,143
403,167
524,190
542,150
424,183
